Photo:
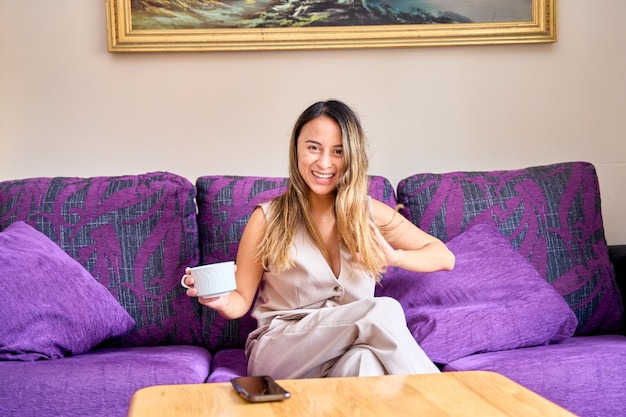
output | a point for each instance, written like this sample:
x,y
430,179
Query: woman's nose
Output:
x,y
324,160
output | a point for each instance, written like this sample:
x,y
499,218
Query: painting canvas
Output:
x,y
202,14
307,24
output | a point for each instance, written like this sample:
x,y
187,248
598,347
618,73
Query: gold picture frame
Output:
x,y
123,37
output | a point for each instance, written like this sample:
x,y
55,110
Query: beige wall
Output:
x,y
70,108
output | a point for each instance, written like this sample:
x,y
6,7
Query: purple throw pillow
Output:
x,y
225,204
135,234
50,306
492,300
552,216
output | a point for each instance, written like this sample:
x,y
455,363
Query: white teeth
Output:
x,y
323,176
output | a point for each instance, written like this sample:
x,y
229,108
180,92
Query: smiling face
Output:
x,y
320,155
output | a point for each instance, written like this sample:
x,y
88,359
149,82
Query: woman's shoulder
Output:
x,y
258,217
378,205
272,204
380,210
265,205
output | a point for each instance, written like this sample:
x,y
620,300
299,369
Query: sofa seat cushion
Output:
x,y
227,364
98,383
551,214
135,234
225,204
584,374
50,306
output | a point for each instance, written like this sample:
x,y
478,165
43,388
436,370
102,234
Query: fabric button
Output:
x,y
337,288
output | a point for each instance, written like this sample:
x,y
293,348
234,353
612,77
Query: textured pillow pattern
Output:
x,y
225,204
50,306
552,216
134,234
493,300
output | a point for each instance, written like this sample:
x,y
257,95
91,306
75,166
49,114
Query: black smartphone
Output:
x,y
259,388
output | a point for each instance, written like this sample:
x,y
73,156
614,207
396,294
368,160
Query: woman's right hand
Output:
x,y
216,303
248,273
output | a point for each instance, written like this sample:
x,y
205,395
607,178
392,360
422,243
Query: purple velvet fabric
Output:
x,y
227,364
225,204
134,234
552,216
492,300
584,374
96,384
50,306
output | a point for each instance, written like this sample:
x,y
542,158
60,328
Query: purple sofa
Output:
x,y
534,295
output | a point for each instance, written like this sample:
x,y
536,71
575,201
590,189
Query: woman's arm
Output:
x,y
407,246
248,273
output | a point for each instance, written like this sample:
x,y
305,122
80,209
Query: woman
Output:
x,y
315,254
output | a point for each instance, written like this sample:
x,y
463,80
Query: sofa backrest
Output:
x,y
552,216
135,234
225,204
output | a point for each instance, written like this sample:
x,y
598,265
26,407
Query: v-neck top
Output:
x,y
310,283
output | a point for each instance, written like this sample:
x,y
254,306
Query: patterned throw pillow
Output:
x,y
552,216
225,204
134,234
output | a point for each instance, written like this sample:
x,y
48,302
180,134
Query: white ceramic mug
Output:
x,y
213,280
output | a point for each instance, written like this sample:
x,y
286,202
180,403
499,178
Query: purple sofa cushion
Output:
x,y
225,204
135,234
50,306
492,300
97,384
552,216
584,374
227,364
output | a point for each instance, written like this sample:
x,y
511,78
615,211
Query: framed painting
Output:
x,y
231,25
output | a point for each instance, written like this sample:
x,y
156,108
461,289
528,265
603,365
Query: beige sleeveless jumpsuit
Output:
x,y
312,324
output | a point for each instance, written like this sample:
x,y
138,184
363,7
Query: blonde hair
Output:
x,y
352,208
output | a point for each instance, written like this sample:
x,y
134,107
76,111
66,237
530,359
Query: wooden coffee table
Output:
x,y
473,393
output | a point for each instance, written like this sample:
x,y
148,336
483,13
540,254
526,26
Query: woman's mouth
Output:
x,y
322,176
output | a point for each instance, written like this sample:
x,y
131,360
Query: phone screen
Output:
x,y
259,388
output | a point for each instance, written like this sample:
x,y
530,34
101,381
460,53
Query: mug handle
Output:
x,y
182,282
